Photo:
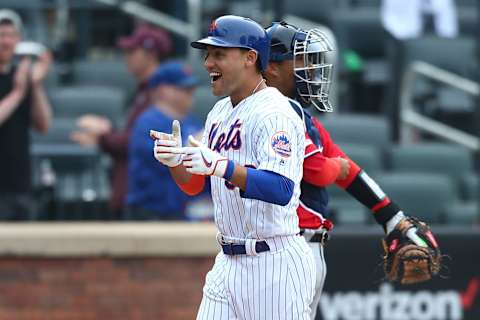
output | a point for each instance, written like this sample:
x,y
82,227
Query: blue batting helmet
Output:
x,y
237,32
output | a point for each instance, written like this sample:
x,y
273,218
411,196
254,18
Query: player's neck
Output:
x,y
247,91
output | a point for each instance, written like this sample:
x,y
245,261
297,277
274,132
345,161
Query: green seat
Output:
x,y
368,157
431,158
59,132
75,101
465,213
470,186
423,195
104,73
348,211
357,129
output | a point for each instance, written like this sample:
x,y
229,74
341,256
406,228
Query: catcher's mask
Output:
x,y
308,49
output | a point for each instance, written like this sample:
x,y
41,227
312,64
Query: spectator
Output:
x,y
152,192
408,19
144,50
23,103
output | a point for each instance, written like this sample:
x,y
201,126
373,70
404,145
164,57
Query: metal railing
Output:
x,y
188,30
409,118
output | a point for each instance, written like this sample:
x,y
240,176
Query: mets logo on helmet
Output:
x,y
213,26
281,144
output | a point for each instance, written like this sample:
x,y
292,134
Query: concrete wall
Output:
x,y
103,271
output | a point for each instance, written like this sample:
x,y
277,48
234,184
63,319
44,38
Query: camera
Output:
x,y
29,48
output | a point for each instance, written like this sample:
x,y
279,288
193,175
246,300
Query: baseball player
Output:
x,y
252,149
298,69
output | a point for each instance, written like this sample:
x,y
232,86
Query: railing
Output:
x,y
189,30
410,118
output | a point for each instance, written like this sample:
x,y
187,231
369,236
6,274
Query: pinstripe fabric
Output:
x,y
244,134
273,285
264,132
321,268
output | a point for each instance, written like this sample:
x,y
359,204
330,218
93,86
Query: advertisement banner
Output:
x,y
355,288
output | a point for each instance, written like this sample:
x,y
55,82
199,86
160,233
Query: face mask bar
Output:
x,y
313,74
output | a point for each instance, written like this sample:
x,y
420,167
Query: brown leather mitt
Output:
x,y
412,254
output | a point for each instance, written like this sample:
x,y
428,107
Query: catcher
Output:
x,y
298,68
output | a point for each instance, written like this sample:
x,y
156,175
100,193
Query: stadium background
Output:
x,y
74,261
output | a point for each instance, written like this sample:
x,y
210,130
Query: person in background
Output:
x,y
152,192
23,104
144,50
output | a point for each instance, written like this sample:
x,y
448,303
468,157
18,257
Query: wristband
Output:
x,y
229,171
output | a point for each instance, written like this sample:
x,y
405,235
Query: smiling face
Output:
x,y
226,67
9,37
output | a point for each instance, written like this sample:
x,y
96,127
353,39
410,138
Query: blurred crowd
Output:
x,y
141,189
166,88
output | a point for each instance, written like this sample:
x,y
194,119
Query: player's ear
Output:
x,y
251,58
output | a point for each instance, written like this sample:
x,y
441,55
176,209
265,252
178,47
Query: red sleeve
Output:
x,y
320,170
193,186
331,150
115,143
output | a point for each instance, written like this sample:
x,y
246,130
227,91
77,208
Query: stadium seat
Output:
x,y
470,186
431,157
104,73
348,211
58,133
303,9
358,129
348,24
455,55
368,157
81,179
72,102
466,213
423,195
203,102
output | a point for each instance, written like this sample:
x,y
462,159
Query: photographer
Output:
x,y
23,103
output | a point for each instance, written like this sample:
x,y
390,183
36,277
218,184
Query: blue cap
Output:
x,y
174,74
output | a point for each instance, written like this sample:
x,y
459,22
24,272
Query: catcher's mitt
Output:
x,y
411,256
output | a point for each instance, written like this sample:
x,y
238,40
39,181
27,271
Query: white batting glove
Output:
x,y
165,143
199,159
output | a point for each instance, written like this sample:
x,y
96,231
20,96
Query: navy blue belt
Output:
x,y
234,249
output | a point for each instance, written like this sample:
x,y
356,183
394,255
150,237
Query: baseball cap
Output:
x,y
149,38
12,17
173,73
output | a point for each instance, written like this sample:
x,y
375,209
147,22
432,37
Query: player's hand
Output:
x,y
94,125
84,138
166,144
21,75
41,67
344,168
199,159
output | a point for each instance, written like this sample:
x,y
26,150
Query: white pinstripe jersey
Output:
x,y
262,131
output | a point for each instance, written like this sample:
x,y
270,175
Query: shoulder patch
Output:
x,y
281,144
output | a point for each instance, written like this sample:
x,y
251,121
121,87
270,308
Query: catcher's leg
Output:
x,y
321,267
216,303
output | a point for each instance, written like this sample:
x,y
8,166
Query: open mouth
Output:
x,y
214,76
